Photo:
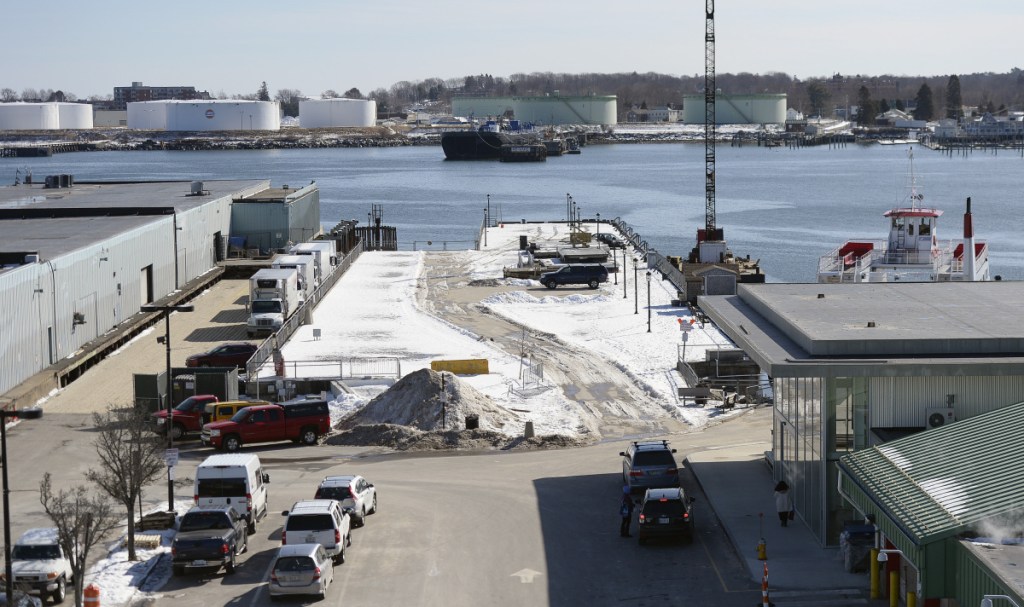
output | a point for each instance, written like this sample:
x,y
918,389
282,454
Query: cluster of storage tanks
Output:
x,y
45,116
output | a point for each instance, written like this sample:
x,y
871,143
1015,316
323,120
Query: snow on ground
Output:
x,y
373,313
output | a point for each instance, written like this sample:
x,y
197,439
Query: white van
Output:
x,y
236,480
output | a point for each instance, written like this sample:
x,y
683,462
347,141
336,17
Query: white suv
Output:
x,y
324,522
37,561
353,492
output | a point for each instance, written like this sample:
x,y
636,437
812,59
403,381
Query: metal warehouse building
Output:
x,y
854,366
77,261
274,218
548,110
737,109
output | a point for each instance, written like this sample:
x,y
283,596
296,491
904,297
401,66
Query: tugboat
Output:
x,y
912,252
481,144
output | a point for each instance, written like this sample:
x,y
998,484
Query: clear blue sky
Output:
x,y
230,46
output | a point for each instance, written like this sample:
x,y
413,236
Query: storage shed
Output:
x,y
276,218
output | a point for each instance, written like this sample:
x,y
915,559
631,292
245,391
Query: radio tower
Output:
x,y
710,128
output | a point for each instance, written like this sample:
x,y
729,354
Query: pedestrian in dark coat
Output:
x,y
626,512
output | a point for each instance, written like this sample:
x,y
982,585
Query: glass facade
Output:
x,y
817,420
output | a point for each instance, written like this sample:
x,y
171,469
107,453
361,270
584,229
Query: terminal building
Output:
x,y
78,260
856,366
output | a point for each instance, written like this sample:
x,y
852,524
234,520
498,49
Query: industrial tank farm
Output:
x,y
44,116
205,115
340,112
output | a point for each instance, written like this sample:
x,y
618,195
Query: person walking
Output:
x,y
626,512
783,504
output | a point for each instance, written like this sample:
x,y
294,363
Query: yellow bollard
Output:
x,y
894,589
875,568
911,599
762,551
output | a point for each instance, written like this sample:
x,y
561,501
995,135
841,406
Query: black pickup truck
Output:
x,y
208,538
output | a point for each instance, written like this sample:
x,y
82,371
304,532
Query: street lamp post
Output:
x,y
615,260
485,227
598,224
986,600
166,310
624,262
648,301
34,413
636,298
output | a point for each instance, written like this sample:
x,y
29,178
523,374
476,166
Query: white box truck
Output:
x,y
273,298
323,251
306,268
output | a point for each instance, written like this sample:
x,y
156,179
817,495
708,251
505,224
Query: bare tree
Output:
x,y
330,94
82,521
130,459
8,95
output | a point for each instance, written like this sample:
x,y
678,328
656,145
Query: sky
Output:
x,y
231,46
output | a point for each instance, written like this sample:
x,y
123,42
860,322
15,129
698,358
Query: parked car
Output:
x,y
224,355
590,274
186,417
39,566
665,513
208,537
649,464
319,521
300,569
299,421
354,493
613,241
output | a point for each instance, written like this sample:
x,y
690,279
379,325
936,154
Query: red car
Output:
x,y
226,355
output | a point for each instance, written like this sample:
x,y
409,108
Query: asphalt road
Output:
x,y
503,528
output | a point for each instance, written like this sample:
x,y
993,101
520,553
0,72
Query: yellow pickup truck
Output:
x,y
217,412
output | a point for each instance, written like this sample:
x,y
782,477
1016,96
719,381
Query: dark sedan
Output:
x,y
226,355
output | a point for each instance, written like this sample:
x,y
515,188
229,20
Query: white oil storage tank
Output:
x,y
147,115
767,108
555,109
74,115
320,113
29,116
223,115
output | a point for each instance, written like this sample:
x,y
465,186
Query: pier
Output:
x,y
45,150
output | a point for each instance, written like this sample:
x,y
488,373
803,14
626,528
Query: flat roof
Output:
x,y
55,236
909,328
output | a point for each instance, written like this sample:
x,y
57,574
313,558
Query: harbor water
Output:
x,y
786,207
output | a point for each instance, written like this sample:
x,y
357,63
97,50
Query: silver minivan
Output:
x,y
323,522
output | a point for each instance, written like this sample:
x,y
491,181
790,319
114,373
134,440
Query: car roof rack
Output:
x,y
639,443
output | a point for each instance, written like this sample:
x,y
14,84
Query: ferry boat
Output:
x,y
911,253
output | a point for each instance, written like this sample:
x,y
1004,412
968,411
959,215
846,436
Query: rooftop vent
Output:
x,y
197,189
871,324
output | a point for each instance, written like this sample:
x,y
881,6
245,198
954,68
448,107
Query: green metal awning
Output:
x,y
947,480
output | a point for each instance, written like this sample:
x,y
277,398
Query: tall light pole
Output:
x,y
648,301
485,227
34,413
166,310
636,298
624,263
615,260
598,224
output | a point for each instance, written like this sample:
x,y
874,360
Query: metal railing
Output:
x,y
301,315
345,368
655,260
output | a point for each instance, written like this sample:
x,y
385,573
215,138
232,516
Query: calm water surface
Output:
x,y
786,207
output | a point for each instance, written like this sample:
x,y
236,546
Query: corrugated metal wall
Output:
x,y
269,226
903,402
104,282
974,579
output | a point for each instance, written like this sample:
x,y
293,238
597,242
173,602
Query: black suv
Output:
x,y
590,274
613,241
649,464
665,513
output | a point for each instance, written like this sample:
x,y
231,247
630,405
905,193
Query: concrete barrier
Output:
x,y
473,366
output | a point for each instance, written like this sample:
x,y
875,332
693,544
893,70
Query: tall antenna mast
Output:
x,y
710,131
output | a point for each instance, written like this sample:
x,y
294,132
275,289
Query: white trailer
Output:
x,y
323,251
273,298
306,268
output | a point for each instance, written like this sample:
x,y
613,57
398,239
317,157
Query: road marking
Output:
x,y
526,575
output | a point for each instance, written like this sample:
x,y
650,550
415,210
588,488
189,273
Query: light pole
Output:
x,y
598,224
636,298
166,310
648,301
615,260
624,262
34,413
485,227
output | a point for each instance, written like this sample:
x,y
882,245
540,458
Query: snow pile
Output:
x,y
418,400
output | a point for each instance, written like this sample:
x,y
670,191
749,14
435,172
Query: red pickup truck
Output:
x,y
303,421
186,417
